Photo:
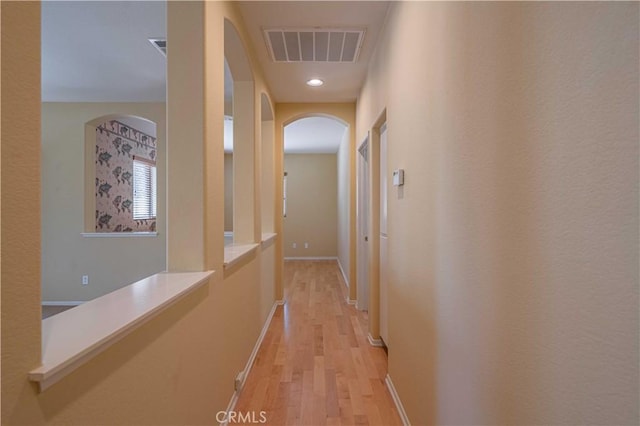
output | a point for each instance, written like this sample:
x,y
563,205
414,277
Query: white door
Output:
x,y
362,216
384,283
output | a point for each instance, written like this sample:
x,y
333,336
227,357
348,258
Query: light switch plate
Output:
x,y
398,177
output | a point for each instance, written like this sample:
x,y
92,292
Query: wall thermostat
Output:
x,y
398,177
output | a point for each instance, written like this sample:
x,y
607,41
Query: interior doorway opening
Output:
x,y
317,166
372,184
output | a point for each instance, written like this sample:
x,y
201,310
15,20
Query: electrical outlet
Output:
x,y
85,279
306,245
294,245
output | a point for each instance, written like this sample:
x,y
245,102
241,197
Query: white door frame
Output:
x,y
374,247
383,242
362,221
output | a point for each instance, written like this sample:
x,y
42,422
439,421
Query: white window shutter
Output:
x,y
144,190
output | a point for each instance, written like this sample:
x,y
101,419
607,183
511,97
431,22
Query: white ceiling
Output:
x,y
313,135
98,51
287,80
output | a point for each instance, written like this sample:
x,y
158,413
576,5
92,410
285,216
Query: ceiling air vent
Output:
x,y
314,44
160,44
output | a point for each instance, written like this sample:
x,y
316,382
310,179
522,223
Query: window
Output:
x,y
144,189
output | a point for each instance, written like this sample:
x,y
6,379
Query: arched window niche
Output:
x,y
121,178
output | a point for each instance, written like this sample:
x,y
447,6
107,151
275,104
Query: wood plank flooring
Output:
x,y
315,365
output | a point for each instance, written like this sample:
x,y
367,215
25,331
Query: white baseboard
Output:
x,y
396,400
252,358
351,301
256,347
344,276
375,342
230,407
312,258
61,303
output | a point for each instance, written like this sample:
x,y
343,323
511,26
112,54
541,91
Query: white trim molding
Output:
x,y
244,374
230,407
344,276
118,234
312,258
396,400
268,237
351,301
375,342
233,253
256,347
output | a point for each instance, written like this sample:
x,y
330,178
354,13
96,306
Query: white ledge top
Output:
x,y
234,252
268,237
72,337
118,234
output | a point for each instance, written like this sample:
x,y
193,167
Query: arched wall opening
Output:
x,y
267,154
344,113
286,114
242,164
315,189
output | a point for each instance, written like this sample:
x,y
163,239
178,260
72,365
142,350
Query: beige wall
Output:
x,y
513,245
311,205
110,263
344,193
228,192
179,367
21,227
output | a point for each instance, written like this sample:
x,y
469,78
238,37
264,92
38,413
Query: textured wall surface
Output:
x,y
179,367
20,158
513,245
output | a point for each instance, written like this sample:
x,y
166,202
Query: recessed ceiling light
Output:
x,y
315,82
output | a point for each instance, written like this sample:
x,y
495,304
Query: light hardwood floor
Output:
x,y
315,365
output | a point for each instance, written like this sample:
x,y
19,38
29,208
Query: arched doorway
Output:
x,y
316,190
285,115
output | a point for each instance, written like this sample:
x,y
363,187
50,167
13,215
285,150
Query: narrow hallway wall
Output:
x,y
513,245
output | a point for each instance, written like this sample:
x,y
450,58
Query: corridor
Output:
x,y
315,365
